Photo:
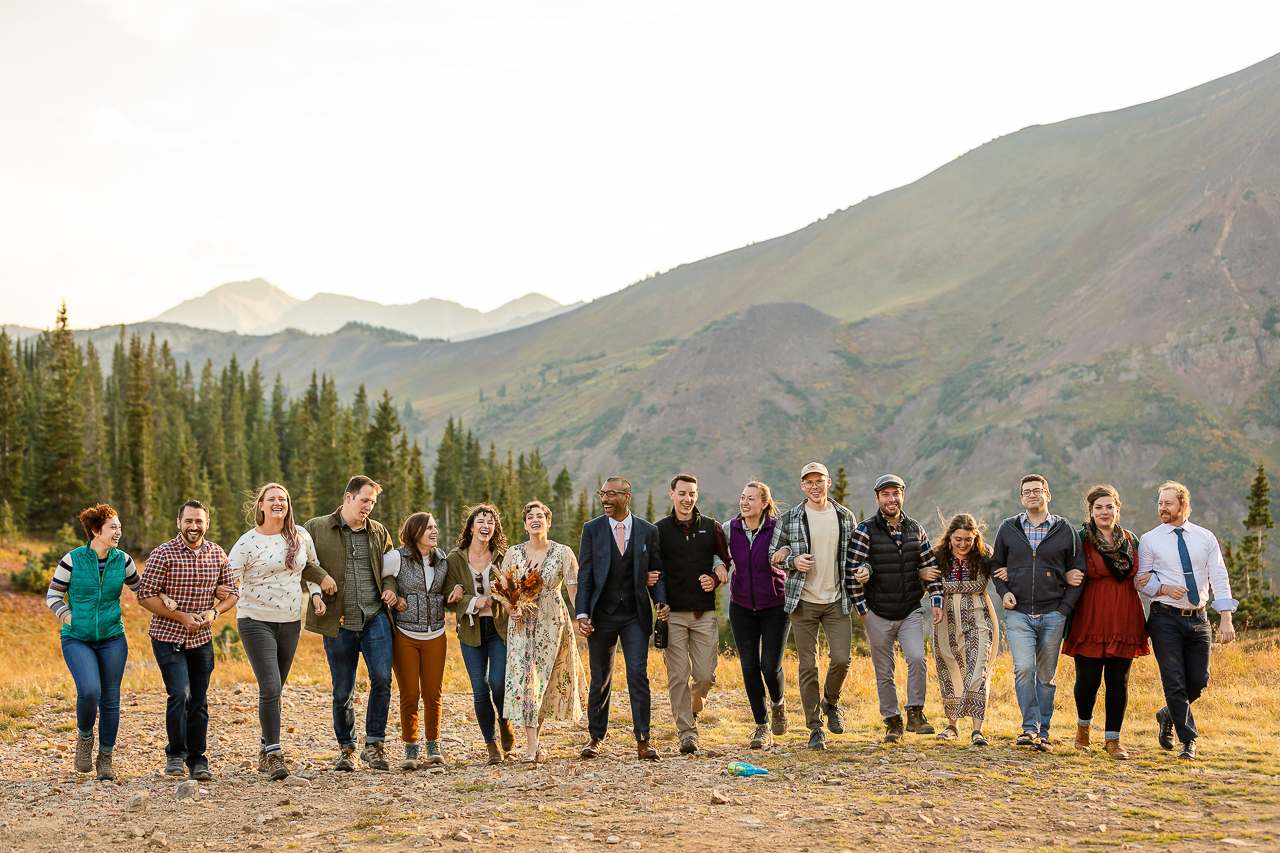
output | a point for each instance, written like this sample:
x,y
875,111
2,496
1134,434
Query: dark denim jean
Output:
x,y
487,668
186,674
344,652
97,669
761,638
1181,648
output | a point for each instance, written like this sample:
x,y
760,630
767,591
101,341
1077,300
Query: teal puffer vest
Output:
x,y
95,599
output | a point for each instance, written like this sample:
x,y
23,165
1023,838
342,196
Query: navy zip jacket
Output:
x,y
1038,579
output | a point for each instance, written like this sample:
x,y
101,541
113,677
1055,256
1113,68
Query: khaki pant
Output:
x,y
805,620
692,649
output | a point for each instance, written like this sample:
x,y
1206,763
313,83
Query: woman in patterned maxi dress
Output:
x,y
965,643
545,678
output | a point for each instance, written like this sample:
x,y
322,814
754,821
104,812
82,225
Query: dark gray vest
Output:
x,y
421,587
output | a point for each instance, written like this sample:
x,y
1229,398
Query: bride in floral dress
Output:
x,y
545,678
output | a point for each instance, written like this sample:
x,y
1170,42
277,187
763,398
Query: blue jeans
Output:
x,y
761,638
1181,648
97,669
1034,644
186,674
344,652
487,668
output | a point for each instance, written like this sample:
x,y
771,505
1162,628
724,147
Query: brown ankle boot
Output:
x,y
1115,750
1082,737
507,735
495,756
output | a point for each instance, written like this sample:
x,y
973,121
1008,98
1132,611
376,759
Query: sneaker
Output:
x,y
200,772
262,761
175,766
410,757
916,721
760,739
103,766
817,740
835,718
778,713
84,753
1164,720
433,755
688,745
276,766
893,729
347,759
374,756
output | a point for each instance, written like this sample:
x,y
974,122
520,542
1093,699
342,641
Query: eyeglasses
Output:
x,y
1026,493
812,484
610,494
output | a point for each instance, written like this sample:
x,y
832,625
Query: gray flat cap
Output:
x,y
889,480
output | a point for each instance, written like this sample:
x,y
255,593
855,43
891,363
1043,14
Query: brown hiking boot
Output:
x,y
84,753
506,735
495,754
1115,750
103,766
346,759
916,721
592,749
1082,737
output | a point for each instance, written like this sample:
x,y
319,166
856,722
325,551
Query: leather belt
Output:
x,y
1181,611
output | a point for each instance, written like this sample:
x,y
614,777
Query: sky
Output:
x,y
396,150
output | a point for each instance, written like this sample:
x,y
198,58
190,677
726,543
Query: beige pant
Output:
x,y
805,620
692,649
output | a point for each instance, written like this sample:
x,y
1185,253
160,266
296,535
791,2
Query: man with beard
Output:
x,y
619,572
1181,565
694,555
889,552
178,586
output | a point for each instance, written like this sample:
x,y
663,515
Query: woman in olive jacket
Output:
x,y
482,622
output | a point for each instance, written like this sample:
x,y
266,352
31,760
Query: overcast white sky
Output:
x,y
476,151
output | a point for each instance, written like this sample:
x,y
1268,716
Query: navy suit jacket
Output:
x,y
594,559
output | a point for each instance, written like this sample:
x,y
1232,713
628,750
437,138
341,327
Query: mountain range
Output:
x,y
1095,300
257,307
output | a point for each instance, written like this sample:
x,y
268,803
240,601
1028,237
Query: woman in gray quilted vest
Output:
x,y
418,643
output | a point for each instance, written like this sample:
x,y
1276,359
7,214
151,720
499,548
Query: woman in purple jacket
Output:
x,y
759,622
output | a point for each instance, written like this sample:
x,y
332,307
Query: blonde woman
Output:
x,y
267,562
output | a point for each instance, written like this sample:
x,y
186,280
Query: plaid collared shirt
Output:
x,y
1036,533
860,551
360,597
792,532
189,578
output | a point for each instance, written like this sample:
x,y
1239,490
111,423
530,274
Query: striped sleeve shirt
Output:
x,y
56,597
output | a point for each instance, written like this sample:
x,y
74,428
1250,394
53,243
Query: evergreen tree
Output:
x,y
840,490
1252,557
13,436
211,436
97,469
419,491
446,480
580,518
648,507
234,431
139,461
58,492
379,445
562,507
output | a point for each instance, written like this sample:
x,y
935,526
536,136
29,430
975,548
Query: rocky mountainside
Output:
x,y
1097,300
257,307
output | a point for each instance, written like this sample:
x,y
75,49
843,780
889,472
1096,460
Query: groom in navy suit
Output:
x,y
619,571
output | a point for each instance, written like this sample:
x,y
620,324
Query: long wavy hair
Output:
x,y
979,555
498,542
255,514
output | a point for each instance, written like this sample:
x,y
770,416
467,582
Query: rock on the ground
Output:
x,y
158,839
718,797
136,803
188,790
297,781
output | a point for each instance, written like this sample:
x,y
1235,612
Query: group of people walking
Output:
x,y
808,569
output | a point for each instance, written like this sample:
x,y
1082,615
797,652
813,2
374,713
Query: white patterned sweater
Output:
x,y
270,591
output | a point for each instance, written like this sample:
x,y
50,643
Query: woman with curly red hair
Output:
x,y
85,595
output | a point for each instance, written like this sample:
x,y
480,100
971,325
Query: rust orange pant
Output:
x,y
419,669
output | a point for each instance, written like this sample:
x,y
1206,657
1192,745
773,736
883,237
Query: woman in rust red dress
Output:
x,y
1107,629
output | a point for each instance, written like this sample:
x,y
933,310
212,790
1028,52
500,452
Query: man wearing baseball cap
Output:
x,y
811,541
890,551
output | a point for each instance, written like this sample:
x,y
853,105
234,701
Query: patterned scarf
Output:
x,y
1118,557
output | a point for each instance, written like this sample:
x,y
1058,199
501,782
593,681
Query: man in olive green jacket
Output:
x,y
356,620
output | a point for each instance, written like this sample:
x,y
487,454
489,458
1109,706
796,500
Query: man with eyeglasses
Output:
x,y
356,621
1182,570
811,541
1037,564
619,573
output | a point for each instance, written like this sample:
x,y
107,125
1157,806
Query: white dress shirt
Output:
x,y
1158,554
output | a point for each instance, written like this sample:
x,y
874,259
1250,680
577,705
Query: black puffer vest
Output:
x,y
895,590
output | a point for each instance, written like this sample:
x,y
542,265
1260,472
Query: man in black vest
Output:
x,y
619,571
692,547
890,550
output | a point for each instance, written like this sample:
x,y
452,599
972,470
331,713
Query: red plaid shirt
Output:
x,y
189,578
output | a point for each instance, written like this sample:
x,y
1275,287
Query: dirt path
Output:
x,y
859,794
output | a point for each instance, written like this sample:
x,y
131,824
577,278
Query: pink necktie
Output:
x,y
622,538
